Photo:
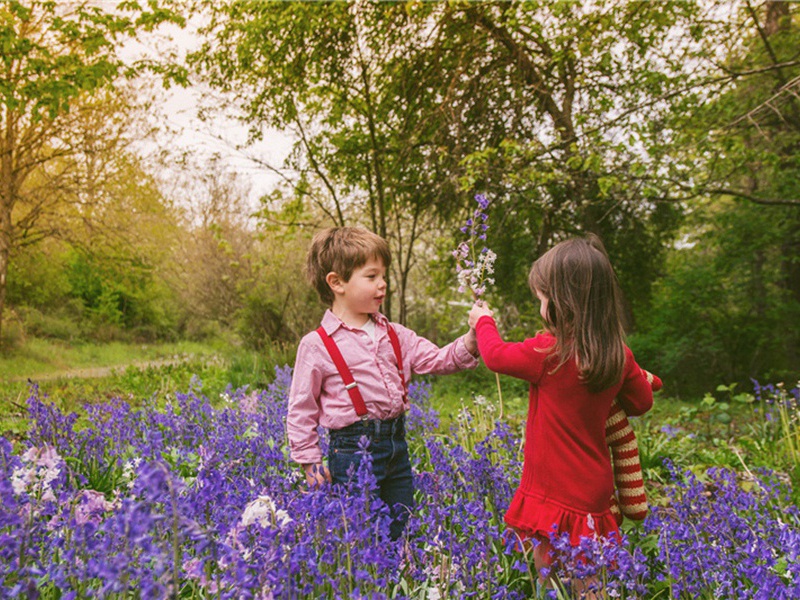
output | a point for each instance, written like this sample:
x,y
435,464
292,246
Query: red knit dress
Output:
x,y
567,480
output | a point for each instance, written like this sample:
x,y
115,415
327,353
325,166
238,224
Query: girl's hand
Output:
x,y
316,474
478,310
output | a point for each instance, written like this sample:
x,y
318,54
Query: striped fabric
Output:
x,y
631,500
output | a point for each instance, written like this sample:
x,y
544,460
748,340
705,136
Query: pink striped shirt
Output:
x,y
318,396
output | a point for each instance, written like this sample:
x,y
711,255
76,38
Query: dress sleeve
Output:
x,y
304,409
636,394
517,359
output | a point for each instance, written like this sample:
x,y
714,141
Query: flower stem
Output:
x,y
499,394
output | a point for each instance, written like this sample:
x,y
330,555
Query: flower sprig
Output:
x,y
474,268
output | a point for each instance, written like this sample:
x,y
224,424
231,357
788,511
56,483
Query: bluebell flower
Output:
x,y
475,267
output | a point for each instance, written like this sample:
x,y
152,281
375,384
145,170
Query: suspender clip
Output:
x,y
350,386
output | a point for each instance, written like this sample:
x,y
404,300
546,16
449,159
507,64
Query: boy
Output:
x,y
350,375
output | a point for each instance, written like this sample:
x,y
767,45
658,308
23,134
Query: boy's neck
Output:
x,y
349,318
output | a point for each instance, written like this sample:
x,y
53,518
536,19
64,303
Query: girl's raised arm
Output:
x,y
517,359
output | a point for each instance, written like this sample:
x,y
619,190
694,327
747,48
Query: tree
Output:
x,y
403,111
217,250
361,87
724,307
56,57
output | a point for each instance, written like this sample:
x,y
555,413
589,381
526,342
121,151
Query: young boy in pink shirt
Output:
x,y
351,374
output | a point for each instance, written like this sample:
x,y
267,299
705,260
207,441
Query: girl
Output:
x,y
576,368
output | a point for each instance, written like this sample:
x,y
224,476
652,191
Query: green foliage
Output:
x,y
721,312
58,60
122,293
278,304
38,276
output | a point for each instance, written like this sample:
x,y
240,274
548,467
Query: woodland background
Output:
x,y
670,129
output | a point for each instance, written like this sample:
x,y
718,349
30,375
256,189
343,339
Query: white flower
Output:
x,y
472,270
263,511
20,479
41,466
129,471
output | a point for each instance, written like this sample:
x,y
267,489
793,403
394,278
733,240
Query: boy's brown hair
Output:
x,y
342,250
583,308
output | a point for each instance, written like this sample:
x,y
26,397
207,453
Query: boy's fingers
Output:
x,y
317,475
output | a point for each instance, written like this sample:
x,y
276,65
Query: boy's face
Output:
x,y
364,292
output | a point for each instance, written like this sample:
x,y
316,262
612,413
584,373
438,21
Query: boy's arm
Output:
x,y
426,357
471,342
304,408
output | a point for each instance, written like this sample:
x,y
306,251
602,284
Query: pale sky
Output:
x,y
177,109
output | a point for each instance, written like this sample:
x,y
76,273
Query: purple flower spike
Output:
x,y
474,268
482,201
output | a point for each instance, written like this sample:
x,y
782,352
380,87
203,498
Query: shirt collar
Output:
x,y
330,322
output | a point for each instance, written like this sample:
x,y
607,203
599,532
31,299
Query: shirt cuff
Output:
x,y
307,457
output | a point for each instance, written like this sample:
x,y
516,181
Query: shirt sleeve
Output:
x,y
636,394
304,409
517,359
425,357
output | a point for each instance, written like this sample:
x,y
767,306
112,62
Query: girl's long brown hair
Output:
x,y
583,311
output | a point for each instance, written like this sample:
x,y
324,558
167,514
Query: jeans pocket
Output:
x,y
344,460
345,444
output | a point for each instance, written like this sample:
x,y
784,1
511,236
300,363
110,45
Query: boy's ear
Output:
x,y
335,282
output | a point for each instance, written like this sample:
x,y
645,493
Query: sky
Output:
x,y
181,131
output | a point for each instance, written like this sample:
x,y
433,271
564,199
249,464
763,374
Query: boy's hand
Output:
x,y
316,474
478,310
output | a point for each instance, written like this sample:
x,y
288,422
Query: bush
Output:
x,y
59,325
13,334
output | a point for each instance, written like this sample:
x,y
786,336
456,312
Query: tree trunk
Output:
x,y
777,17
790,267
7,198
6,202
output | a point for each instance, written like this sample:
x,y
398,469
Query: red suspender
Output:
x,y
399,356
349,383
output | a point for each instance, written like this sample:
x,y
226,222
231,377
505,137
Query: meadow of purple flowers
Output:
x,y
194,501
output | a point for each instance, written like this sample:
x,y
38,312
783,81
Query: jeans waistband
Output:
x,y
375,427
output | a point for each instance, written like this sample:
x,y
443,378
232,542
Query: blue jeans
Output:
x,y
390,463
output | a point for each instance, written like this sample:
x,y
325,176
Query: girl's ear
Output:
x,y
335,282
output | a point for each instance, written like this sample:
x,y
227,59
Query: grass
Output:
x,y
39,357
73,375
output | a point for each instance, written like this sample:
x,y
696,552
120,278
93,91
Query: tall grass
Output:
x,y
71,376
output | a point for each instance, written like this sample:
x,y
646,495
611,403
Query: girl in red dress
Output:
x,y
576,367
